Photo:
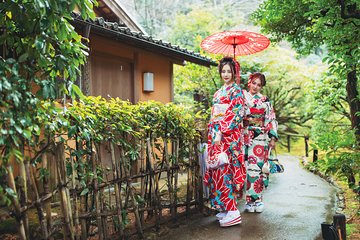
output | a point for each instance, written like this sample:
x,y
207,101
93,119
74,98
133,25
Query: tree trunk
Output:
x,y
354,103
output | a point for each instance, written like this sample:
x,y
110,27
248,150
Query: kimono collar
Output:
x,y
256,96
227,87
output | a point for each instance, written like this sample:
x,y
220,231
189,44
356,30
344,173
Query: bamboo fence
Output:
x,y
118,200
102,169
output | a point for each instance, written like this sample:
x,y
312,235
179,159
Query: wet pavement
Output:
x,y
296,203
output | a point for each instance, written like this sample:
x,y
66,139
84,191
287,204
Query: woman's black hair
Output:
x,y
227,60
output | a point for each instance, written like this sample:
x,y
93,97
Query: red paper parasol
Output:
x,y
235,42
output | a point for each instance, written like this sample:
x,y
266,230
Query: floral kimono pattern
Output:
x,y
261,126
222,181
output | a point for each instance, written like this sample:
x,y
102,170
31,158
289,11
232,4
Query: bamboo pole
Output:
x,y
75,199
23,189
67,228
83,202
132,195
153,180
69,205
116,188
15,202
176,177
170,187
102,198
46,187
156,198
38,203
142,179
200,184
189,184
197,178
96,195
150,176
120,180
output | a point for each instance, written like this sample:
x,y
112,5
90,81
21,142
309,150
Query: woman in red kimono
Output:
x,y
225,135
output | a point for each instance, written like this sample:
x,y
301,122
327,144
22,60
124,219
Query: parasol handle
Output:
x,y
234,46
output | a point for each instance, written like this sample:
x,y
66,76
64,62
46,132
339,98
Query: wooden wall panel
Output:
x,y
111,76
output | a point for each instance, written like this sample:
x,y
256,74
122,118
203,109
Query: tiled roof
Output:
x,y
140,40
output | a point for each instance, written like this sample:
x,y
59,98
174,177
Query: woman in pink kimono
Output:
x,y
226,172
260,137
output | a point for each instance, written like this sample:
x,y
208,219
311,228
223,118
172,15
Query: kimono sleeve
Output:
x,y
271,124
234,114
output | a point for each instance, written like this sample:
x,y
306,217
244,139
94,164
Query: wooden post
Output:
x,y
306,138
288,143
327,231
315,156
340,225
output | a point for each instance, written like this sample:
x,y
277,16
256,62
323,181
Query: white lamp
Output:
x,y
148,82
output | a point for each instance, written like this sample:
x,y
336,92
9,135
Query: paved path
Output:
x,y
296,203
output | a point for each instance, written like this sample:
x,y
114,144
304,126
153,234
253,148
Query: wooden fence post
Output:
x,y
315,156
340,225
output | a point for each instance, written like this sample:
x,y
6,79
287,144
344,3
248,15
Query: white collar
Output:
x,y
250,96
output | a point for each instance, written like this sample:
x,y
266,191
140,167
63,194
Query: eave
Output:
x,y
139,40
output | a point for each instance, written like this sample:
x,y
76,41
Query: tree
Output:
x,y
309,25
330,130
286,75
40,58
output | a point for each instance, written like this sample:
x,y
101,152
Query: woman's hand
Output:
x,y
272,143
217,138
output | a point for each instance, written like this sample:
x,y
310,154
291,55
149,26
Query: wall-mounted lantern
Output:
x,y
148,82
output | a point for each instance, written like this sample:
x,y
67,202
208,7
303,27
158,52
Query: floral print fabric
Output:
x,y
222,181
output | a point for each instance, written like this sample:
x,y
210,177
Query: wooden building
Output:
x,y
122,57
